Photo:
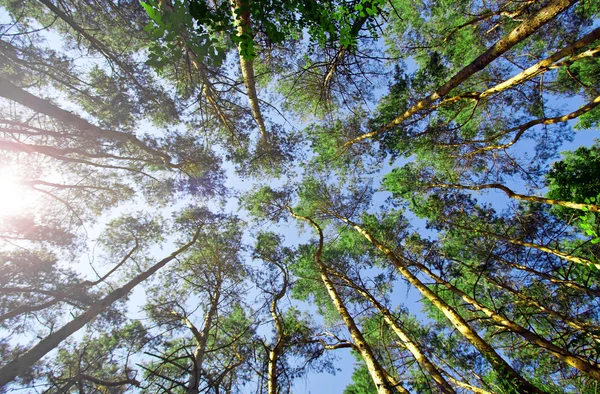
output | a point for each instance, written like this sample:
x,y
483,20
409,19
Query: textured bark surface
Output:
x,y
520,197
412,346
577,362
243,26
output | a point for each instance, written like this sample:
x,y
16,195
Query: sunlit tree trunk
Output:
x,y
497,362
412,346
517,196
588,368
243,25
549,63
376,371
570,321
520,33
275,351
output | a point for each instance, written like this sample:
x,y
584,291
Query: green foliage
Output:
x,y
166,29
326,58
575,178
266,203
103,358
361,382
325,22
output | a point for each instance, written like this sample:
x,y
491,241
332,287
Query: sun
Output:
x,y
14,196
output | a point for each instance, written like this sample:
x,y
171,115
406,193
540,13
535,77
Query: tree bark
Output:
x,y
539,68
375,370
201,341
14,93
520,197
208,88
243,25
26,360
412,347
497,362
588,368
521,32
277,349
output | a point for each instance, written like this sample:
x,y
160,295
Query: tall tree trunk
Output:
x,y
541,67
243,25
521,32
275,351
412,346
497,362
26,360
14,93
361,345
588,368
201,341
517,196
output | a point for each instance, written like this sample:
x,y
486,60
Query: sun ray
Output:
x,y
15,198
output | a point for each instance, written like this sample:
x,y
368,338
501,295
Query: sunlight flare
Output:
x,y
14,197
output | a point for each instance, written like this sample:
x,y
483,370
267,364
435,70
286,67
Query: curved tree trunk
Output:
x,y
521,129
497,362
412,346
26,360
377,373
526,126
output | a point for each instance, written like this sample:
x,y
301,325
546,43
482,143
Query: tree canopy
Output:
x,y
222,196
